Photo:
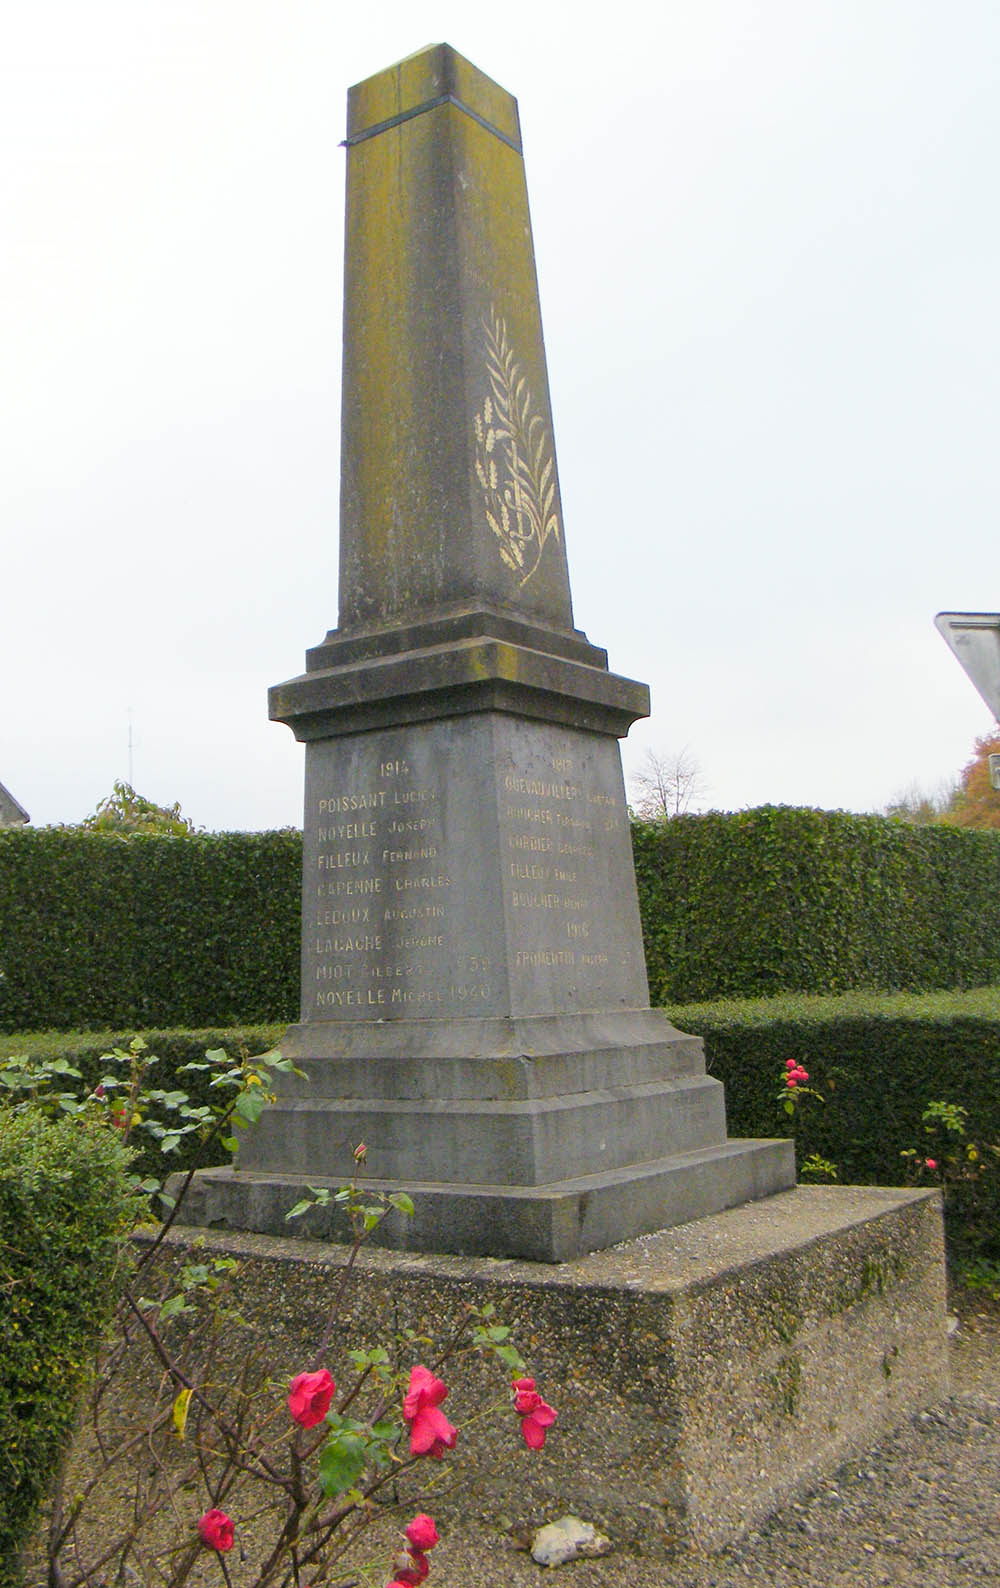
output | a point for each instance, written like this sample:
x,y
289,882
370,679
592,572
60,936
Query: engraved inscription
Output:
x,y
383,884
553,824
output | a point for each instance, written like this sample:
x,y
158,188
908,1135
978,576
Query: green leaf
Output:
x,y
251,1104
509,1355
341,1462
388,1433
402,1202
171,1308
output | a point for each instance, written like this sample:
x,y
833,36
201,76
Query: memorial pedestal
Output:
x,y
474,999
703,1376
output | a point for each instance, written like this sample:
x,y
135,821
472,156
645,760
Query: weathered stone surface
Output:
x,y
441,319
477,865
474,997
703,1376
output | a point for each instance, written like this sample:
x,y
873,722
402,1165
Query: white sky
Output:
x,y
768,247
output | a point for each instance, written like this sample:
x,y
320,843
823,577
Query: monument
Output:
x,y
474,999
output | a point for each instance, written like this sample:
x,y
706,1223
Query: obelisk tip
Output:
x,y
434,73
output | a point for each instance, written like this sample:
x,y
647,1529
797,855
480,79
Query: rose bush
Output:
x,y
213,1445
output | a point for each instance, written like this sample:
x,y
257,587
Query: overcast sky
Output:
x,y
768,247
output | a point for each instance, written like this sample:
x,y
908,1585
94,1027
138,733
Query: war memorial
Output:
x,y
474,1005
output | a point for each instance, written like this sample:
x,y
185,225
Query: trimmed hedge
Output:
x,y
98,930
877,1061
780,899
64,1207
147,930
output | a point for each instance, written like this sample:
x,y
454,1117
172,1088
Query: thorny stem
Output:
x,y
182,1378
341,1287
213,1135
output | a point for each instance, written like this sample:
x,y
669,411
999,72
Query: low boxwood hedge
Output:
x,y
877,1060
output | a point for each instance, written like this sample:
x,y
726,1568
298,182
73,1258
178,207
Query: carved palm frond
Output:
x,y
519,492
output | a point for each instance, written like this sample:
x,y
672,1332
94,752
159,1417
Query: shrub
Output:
x,y
98,929
174,1050
64,1205
878,1060
185,1412
773,900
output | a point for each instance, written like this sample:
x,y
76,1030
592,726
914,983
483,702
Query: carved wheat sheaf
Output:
x,y
515,463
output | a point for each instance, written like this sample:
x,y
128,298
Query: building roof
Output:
x,y
11,813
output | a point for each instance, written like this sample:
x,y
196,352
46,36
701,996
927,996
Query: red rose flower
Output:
x,y
535,1414
309,1397
216,1531
422,1533
411,1568
431,1434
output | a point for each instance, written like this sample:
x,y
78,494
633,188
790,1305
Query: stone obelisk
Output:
x,y
474,999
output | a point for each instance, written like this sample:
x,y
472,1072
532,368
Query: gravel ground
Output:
x,y
920,1510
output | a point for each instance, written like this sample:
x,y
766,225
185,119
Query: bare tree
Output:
x,y
667,785
920,808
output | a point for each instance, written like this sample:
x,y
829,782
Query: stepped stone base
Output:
x,y
703,1376
547,1223
538,1137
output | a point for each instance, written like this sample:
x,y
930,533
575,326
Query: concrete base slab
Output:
x,y
550,1223
703,1375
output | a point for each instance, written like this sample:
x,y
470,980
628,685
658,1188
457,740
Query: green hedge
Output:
x,y
64,1206
98,930
877,1061
780,899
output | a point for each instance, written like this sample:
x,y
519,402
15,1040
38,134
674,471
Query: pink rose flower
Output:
x,y
309,1397
431,1434
790,1080
411,1568
791,1064
931,1163
216,1531
536,1415
422,1533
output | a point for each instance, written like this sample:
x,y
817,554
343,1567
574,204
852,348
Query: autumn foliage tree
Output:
x,y
976,803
